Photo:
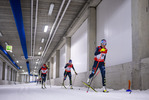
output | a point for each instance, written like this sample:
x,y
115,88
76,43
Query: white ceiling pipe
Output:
x,y
43,54
57,26
53,26
31,23
35,31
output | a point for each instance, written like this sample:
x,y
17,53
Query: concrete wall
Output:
x,y
7,72
140,40
114,25
145,73
128,22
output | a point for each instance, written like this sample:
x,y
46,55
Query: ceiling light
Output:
x,y
42,40
40,48
35,67
46,28
17,61
1,34
11,51
36,62
37,59
51,9
20,66
39,53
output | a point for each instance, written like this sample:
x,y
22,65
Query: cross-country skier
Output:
x,y
68,72
43,73
99,62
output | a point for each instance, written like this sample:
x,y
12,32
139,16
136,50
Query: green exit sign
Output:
x,y
9,48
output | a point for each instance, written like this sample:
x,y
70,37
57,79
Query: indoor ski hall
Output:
x,y
74,49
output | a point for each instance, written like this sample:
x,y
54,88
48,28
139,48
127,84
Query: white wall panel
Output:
x,y
79,48
114,24
54,67
62,61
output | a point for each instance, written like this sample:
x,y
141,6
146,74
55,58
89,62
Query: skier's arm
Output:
x,y
74,70
96,52
66,65
39,71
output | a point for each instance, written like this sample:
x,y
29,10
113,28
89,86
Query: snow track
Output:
x,y
34,92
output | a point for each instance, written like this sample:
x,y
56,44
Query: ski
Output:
x,y
63,85
89,86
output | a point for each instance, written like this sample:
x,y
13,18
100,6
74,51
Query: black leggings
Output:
x,y
69,75
43,76
102,70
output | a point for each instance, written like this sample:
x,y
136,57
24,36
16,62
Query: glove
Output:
x,y
102,50
76,73
48,67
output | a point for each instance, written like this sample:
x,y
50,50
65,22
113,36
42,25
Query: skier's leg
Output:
x,y
94,68
103,72
65,75
69,75
44,81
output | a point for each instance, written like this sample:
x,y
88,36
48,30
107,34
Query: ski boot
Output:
x,y
105,90
88,81
71,87
44,85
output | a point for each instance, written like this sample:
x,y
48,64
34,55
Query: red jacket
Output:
x,y
100,54
43,70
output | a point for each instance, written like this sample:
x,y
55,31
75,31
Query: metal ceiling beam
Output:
x,y
17,13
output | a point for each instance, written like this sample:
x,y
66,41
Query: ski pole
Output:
x,y
74,79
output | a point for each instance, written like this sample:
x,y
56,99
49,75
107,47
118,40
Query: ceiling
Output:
x,y
10,34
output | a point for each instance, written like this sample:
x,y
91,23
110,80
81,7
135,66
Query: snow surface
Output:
x,y
34,92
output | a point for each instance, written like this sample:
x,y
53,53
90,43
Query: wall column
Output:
x,y
3,71
6,71
51,67
57,62
91,35
11,78
140,42
68,49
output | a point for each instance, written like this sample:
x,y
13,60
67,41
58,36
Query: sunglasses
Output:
x,y
104,43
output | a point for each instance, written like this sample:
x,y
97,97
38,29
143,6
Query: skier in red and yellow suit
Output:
x,y
43,73
99,62
68,72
